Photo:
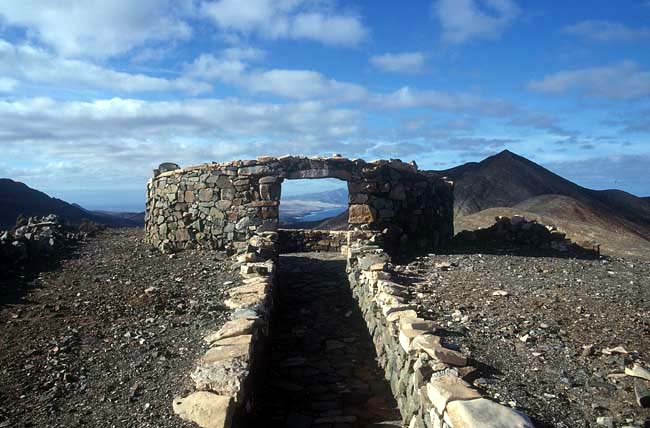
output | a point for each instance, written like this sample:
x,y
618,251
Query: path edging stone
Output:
x,y
224,377
423,373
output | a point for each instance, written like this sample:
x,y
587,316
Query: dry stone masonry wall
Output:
x,y
305,240
425,375
525,233
225,376
221,205
36,238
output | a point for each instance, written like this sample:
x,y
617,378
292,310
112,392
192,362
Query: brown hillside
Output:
x,y
579,221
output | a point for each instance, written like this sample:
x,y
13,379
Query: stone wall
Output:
x,y
305,240
34,239
226,375
525,233
221,205
425,376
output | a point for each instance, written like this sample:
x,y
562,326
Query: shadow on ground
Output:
x,y
323,364
17,279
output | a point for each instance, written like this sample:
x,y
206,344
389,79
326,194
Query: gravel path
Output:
x,y
538,328
323,371
108,338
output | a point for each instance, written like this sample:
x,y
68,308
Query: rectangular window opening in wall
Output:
x,y
317,204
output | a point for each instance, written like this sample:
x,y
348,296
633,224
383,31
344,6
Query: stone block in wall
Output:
x,y
362,214
205,195
363,187
357,198
270,192
206,409
484,413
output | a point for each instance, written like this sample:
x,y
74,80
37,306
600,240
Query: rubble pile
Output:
x,y
35,238
519,231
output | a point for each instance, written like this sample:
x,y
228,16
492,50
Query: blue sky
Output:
x,y
95,94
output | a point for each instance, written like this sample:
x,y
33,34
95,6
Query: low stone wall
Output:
x,y
425,376
305,240
225,377
36,238
519,231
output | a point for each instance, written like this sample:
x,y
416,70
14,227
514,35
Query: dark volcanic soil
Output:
x,y
108,338
528,345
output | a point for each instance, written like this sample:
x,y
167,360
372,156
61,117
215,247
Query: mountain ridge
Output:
x,y
506,179
18,198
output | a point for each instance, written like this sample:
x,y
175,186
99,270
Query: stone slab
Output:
x,y
206,409
483,413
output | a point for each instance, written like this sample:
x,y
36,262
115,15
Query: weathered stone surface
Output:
x,y
447,356
362,214
260,286
206,409
205,195
484,413
444,389
226,352
395,316
249,300
227,203
232,328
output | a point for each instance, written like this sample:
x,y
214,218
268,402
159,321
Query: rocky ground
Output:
x,y
544,331
323,371
108,337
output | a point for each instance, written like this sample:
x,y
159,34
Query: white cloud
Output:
x,y
286,19
7,84
303,84
332,30
98,28
45,119
620,81
118,141
209,67
607,31
27,63
292,84
405,62
463,20
244,53
406,98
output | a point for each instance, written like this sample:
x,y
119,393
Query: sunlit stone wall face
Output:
x,y
220,206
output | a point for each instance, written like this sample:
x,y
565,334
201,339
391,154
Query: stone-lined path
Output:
x,y
323,372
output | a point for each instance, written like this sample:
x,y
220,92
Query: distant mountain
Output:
x,y
337,197
338,222
137,218
306,210
506,179
17,198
